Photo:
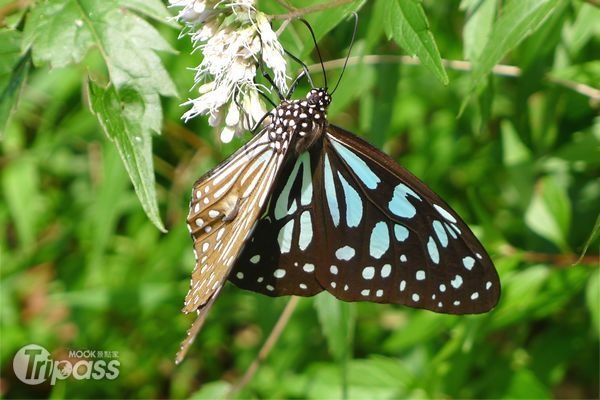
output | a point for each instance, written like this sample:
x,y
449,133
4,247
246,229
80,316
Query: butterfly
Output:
x,y
306,206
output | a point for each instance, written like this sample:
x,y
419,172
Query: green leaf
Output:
x,y
513,149
519,293
374,378
20,186
407,24
120,114
324,21
337,321
213,390
296,38
587,73
525,385
477,29
518,20
592,298
584,28
540,45
549,213
13,70
584,146
152,8
61,32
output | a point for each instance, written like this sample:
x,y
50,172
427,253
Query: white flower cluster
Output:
x,y
233,38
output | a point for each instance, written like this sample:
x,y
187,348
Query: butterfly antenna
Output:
x,y
349,51
312,33
303,74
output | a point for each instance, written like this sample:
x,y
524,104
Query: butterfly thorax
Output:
x,y
300,122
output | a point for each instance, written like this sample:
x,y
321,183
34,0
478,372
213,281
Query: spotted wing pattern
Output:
x,y
307,207
224,207
287,244
392,240
228,201
375,233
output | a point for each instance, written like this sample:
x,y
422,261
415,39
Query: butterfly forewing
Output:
x,y
377,233
224,207
392,240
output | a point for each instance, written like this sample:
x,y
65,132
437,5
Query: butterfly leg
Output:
x,y
302,74
266,75
247,123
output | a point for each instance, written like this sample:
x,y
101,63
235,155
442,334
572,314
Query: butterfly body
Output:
x,y
306,206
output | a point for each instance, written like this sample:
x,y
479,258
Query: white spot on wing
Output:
x,y
345,253
444,213
386,270
368,272
402,286
456,282
279,273
308,267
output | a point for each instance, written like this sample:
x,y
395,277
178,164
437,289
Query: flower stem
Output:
x,y
311,9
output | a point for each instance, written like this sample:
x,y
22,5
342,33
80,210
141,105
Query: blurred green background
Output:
x,y
82,267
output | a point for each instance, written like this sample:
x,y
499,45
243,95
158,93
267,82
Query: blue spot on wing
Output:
x,y
400,205
357,165
401,233
440,233
354,206
332,202
380,240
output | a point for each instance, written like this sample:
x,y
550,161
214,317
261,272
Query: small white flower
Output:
x,y
272,52
231,52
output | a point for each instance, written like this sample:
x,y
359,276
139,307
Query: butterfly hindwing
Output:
x,y
286,245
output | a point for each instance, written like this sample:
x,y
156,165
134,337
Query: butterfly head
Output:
x,y
319,97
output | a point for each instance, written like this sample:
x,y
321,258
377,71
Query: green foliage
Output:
x,y
85,86
407,24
